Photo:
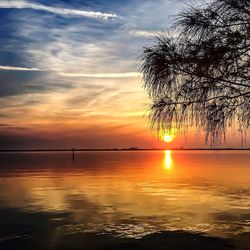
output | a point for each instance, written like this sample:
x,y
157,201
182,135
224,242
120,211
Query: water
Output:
x,y
128,194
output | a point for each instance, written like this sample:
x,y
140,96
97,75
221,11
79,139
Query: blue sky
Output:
x,y
73,66
51,40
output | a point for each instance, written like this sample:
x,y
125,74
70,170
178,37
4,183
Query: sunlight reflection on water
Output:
x,y
168,159
131,194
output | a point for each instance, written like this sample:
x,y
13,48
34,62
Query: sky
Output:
x,y
69,73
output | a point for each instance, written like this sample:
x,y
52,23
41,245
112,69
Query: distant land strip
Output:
x,y
113,149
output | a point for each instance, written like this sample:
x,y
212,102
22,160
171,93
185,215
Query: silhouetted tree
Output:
x,y
198,73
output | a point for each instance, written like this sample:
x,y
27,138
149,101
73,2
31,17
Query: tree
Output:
x,y
198,73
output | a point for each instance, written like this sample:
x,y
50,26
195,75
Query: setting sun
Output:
x,y
167,138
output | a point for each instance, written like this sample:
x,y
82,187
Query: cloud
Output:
x,y
18,68
14,83
143,33
102,75
56,10
68,74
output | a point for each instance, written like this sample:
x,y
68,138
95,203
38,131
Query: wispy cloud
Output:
x,y
56,10
143,33
68,74
18,68
102,75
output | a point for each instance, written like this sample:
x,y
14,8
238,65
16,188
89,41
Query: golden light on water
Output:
x,y
168,159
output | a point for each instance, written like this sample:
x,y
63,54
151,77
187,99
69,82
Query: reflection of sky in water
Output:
x,y
133,193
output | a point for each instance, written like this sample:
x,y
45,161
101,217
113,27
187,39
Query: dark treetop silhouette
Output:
x,y
198,73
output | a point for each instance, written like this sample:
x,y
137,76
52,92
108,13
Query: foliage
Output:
x,y
198,73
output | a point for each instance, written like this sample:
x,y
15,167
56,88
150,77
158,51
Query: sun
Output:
x,y
167,138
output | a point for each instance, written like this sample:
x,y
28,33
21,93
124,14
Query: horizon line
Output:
x,y
113,149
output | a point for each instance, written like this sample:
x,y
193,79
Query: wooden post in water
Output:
x,y
73,154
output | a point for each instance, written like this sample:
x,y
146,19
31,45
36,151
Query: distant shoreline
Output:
x,y
116,149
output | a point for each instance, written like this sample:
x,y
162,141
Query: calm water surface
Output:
x,y
125,194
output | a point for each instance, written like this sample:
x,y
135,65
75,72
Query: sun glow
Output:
x,y
167,138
